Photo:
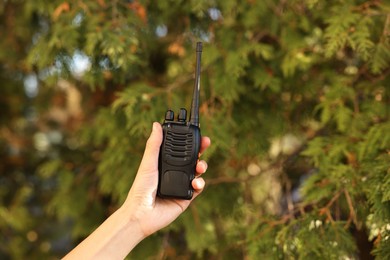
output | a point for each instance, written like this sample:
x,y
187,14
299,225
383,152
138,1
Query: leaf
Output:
x,y
343,117
139,9
50,169
63,7
381,57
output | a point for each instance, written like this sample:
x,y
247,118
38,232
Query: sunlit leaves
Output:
x,y
326,240
350,28
381,56
314,70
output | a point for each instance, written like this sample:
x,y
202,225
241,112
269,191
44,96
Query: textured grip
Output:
x,y
177,161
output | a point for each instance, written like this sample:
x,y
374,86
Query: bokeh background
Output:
x,y
294,95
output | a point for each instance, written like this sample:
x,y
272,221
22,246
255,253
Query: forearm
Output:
x,y
113,239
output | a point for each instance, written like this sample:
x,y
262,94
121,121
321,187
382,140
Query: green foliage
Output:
x,y
294,95
326,240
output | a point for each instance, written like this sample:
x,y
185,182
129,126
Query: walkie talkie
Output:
x,y
179,150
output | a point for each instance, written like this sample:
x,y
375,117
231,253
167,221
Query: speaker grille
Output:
x,y
179,146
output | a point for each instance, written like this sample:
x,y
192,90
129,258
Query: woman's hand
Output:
x,y
150,212
142,213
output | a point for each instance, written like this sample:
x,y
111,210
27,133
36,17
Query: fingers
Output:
x,y
198,184
152,149
204,143
201,167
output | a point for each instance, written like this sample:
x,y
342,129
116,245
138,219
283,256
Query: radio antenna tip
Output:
x,y
194,113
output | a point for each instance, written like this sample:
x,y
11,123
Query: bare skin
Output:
x,y
142,213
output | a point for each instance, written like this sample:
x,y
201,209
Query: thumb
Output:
x,y
150,158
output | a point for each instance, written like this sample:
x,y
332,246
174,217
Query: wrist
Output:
x,y
131,223
114,239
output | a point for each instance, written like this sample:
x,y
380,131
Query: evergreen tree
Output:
x,y
294,95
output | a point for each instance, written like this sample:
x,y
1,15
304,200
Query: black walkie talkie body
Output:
x,y
180,147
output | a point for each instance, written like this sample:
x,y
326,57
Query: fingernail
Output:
x,y
200,183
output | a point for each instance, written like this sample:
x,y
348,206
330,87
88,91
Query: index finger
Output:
x,y
204,144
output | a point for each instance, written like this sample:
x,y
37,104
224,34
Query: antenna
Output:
x,y
194,113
